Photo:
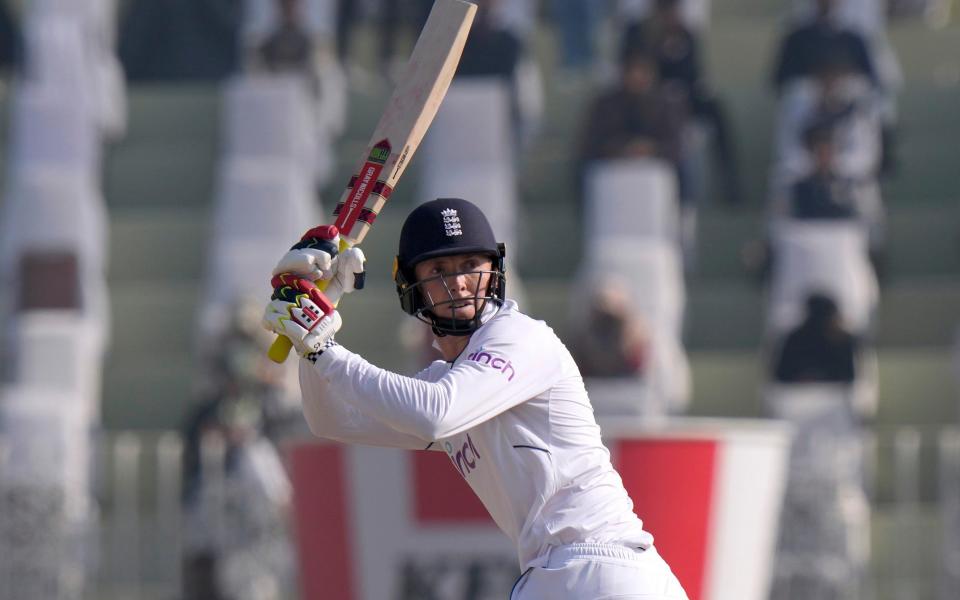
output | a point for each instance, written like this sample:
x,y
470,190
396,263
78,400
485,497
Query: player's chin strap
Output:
x,y
462,327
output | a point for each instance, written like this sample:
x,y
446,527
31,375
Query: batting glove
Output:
x,y
302,313
317,257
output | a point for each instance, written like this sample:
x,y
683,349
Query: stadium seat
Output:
x,y
47,209
50,128
70,49
58,53
821,257
485,102
261,209
270,118
76,341
632,199
262,200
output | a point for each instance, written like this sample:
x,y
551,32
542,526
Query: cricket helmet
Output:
x,y
446,227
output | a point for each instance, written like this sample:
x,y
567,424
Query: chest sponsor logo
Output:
x,y
495,362
465,457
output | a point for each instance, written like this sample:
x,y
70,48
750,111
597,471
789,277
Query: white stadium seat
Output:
x,y
47,209
76,341
821,257
631,199
262,200
271,118
472,126
261,209
57,52
52,129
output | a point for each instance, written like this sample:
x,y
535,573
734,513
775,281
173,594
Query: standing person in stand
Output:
x,y
507,403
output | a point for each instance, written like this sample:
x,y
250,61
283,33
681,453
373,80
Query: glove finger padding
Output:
x,y
302,313
314,256
349,276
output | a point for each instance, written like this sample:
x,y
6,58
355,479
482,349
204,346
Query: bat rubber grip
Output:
x,y
279,349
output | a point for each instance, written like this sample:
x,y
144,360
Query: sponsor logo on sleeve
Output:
x,y
465,458
497,363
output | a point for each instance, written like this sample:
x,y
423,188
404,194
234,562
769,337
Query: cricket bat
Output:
x,y
405,120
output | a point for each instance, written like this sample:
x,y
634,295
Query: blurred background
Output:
x,y
739,215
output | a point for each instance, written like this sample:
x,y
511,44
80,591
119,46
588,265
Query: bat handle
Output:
x,y
280,348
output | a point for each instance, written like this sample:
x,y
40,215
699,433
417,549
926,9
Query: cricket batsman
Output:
x,y
507,403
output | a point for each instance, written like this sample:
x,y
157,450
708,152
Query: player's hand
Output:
x,y
299,311
317,257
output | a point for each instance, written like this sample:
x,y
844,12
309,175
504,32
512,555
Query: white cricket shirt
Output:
x,y
512,414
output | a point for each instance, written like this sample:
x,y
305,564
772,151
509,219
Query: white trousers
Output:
x,y
599,572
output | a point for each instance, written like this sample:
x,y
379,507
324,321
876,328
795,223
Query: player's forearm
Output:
x,y
330,415
410,406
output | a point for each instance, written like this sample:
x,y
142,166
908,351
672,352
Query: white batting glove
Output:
x,y
348,274
303,314
316,257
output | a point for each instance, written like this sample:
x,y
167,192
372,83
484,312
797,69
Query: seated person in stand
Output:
x,y
841,100
676,51
819,350
613,340
823,194
635,119
289,49
812,43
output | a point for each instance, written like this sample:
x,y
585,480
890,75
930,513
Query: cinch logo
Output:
x,y
500,364
451,222
464,458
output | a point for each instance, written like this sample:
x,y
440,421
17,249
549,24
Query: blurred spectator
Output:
x,y
815,41
492,49
829,193
677,52
9,37
180,39
576,21
236,502
289,49
819,350
236,492
348,14
823,194
635,119
838,100
612,340
398,15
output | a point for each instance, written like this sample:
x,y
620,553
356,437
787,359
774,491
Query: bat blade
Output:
x,y
409,112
